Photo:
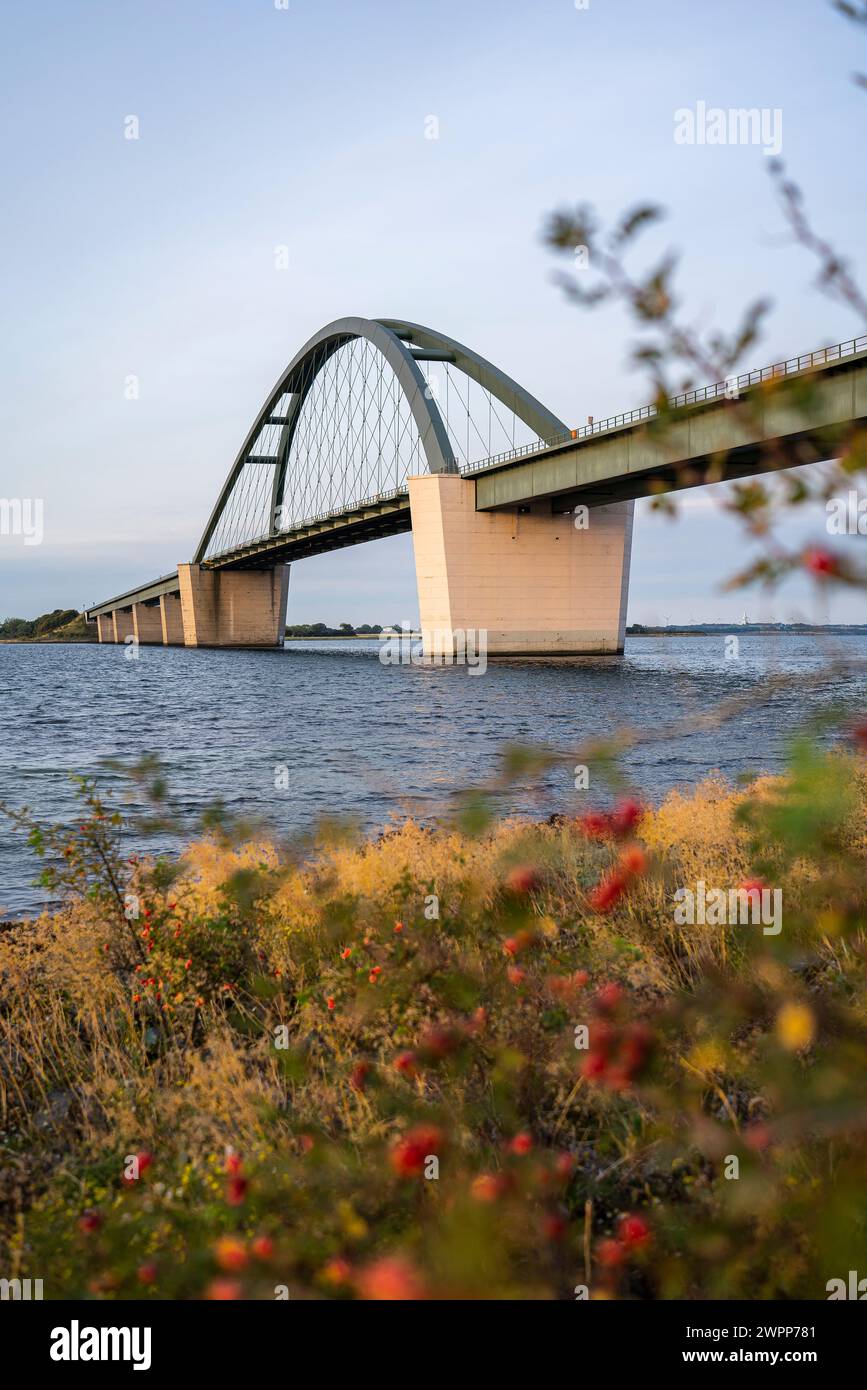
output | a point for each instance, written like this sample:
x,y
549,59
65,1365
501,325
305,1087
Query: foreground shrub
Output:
x,y
444,1063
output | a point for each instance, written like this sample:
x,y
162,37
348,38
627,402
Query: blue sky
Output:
x,y
262,127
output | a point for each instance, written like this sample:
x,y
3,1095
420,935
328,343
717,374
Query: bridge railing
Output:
x,y
821,357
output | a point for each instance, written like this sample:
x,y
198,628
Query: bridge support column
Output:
x,y
171,620
233,608
122,624
146,623
535,583
105,627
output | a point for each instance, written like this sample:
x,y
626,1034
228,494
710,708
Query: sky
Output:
x,y
262,126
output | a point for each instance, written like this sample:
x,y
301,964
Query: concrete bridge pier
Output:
x,y
532,580
146,624
171,620
105,627
122,623
233,608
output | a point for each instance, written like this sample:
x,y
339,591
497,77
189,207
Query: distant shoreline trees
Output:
x,y
62,624
323,630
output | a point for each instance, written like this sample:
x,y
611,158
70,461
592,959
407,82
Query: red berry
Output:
x,y
236,1191
223,1290
608,996
753,885
608,892
637,1045
633,861
596,825
487,1187
522,880
514,945
634,1231
594,1066
230,1253
820,562
610,1253
359,1076
392,1279
337,1271
625,816
554,1226
409,1153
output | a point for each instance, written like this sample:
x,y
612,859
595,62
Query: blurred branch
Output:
x,y
835,277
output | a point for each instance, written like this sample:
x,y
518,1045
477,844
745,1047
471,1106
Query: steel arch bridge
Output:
x,y
379,426
365,404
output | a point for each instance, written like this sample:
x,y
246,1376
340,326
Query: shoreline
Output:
x,y
853,630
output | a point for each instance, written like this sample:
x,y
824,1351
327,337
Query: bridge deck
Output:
x,y
364,521
704,438
168,584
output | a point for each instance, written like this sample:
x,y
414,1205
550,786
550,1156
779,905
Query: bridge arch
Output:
x,y
298,420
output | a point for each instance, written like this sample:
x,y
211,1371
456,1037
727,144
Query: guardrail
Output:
x,y
822,357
